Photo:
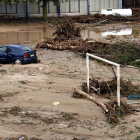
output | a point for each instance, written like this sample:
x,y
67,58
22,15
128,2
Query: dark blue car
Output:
x,y
18,54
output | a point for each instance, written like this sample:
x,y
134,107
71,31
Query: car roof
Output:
x,y
15,45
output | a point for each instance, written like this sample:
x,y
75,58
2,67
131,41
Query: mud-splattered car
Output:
x,y
18,54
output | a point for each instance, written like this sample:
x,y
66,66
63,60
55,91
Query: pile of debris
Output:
x,y
108,89
98,18
67,37
66,29
116,112
76,44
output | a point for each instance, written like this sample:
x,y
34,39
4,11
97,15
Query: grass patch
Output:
x,y
124,53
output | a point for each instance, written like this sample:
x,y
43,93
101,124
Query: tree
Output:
x,y
56,2
13,2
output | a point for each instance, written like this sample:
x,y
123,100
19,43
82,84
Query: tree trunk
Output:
x,y
91,98
45,11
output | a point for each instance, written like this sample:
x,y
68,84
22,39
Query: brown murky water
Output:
x,y
34,35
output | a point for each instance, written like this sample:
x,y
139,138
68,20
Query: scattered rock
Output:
x,y
40,68
3,71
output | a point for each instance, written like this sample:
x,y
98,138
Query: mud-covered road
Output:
x,y
36,101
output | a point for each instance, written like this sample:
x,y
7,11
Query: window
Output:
x,y
14,50
26,49
3,49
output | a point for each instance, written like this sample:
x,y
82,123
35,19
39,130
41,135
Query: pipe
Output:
x,y
87,60
118,84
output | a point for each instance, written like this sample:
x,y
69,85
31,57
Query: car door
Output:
x,y
13,53
3,54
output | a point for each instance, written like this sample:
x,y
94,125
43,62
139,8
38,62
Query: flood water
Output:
x,y
36,35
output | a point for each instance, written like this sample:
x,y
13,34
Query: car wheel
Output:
x,y
18,61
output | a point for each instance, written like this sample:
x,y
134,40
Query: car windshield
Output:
x,y
3,49
26,49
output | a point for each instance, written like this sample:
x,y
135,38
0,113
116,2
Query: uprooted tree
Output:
x,y
66,29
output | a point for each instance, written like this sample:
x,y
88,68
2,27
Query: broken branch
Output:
x,y
91,98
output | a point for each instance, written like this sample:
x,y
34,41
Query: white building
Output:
x,y
71,7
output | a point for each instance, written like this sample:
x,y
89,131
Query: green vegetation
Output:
x,y
124,53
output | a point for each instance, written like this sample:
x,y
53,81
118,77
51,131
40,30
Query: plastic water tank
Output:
x,y
121,12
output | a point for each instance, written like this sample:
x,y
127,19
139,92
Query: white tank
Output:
x,y
121,12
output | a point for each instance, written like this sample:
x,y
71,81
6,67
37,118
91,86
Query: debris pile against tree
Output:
x,y
108,89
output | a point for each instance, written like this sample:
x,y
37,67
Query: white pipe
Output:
x,y
107,61
87,60
102,59
133,103
118,84
121,12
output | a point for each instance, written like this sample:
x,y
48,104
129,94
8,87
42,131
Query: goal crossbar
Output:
x,y
107,61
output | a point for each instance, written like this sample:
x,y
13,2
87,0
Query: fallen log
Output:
x,y
91,98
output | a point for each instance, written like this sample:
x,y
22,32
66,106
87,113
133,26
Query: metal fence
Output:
x,y
71,7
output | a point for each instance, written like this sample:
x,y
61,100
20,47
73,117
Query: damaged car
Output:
x,y
17,53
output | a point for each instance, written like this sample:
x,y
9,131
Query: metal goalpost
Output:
x,y
107,61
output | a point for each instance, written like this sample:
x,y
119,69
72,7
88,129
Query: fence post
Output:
x,y
59,9
28,10
89,7
69,6
119,4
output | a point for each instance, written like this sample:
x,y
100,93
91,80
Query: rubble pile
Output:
x,y
97,18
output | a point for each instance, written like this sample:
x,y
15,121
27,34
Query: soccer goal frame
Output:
x,y
107,61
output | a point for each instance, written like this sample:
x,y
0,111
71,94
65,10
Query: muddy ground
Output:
x,y
29,92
